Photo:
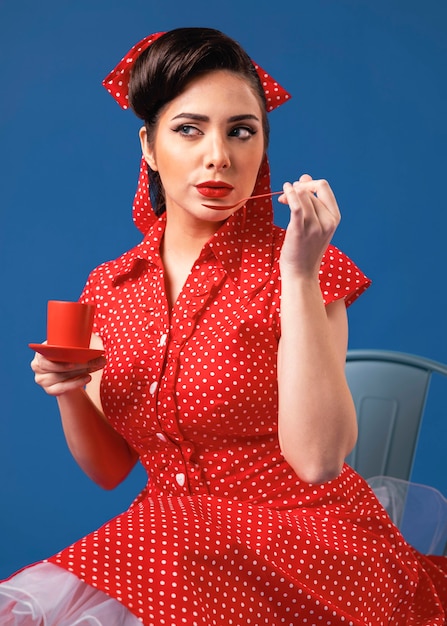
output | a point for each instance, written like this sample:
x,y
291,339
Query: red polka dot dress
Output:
x,y
224,531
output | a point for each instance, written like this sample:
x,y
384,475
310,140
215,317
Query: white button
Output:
x,y
180,478
163,339
153,387
161,437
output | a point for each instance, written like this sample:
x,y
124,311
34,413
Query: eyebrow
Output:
x,y
205,118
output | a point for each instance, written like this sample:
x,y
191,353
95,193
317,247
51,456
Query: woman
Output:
x,y
225,341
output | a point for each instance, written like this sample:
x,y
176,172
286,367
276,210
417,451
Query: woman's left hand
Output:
x,y
314,217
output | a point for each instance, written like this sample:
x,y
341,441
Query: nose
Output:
x,y
217,153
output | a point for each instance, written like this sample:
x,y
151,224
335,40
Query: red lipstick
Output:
x,y
214,189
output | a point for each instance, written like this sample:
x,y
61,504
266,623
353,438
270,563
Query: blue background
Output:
x,y
368,113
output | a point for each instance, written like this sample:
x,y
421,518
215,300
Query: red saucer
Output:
x,y
63,354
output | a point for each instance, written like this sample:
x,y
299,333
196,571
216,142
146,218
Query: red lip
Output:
x,y
214,189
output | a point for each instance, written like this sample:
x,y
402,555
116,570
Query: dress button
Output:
x,y
161,437
153,387
163,339
180,478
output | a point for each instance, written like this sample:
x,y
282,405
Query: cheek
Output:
x,y
258,159
171,162
171,172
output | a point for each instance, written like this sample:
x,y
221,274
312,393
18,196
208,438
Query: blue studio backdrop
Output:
x,y
369,88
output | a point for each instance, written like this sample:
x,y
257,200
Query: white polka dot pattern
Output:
x,y
117,81
225,532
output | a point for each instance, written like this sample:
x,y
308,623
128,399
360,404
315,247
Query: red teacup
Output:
x,y
69,324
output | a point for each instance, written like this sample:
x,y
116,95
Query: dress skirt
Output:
x,y
211,561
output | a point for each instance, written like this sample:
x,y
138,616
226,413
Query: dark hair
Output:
x,y
163,71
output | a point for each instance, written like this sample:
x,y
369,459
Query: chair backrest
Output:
x,y
390,391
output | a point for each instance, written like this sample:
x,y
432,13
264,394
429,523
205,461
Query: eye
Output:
x,y
242,132
187,130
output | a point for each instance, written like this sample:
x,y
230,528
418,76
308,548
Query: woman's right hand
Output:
x,y
101,452
59,378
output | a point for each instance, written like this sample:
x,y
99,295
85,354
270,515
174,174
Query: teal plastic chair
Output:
x,y
390,391
419,511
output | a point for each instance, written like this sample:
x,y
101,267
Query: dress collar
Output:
x,y
243,246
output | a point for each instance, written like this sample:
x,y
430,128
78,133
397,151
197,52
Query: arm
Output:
x,y
317,423
97,448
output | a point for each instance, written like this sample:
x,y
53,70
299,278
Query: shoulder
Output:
x,y
132,262
106,276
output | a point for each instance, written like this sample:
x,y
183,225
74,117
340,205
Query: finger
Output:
x,y
308,210
97,364
44,365
57,388
307,202
322,190
305,178
283,198
49,377
63,378
298,198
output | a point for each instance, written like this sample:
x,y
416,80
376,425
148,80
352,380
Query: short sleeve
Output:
x,y
87,296
340,277
96,291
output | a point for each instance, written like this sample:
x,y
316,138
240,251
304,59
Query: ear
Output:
x,y
148,152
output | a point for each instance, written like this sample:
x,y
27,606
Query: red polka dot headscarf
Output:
x,y
117,82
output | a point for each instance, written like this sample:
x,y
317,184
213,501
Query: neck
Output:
x,y
187,240
179,250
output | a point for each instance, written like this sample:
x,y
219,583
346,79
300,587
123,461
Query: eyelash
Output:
x,y
181,130
250,131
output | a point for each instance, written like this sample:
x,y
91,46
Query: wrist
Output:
x,y
298,278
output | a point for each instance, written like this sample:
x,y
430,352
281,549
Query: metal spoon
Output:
x,y
226,207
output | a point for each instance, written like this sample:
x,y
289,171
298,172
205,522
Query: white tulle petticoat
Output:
x,y
47,595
